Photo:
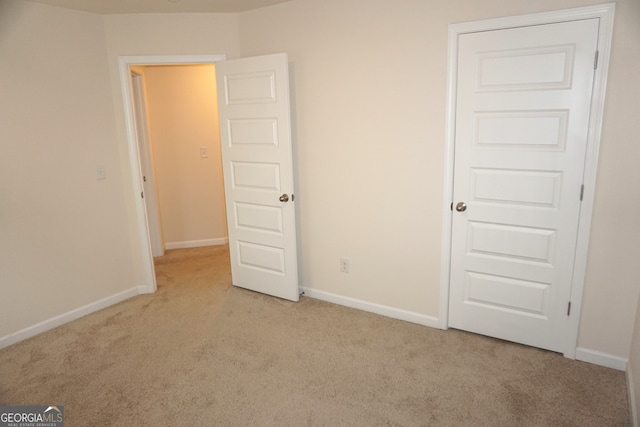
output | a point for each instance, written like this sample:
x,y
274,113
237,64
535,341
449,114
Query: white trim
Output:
x,y
141,122
606,14
370,307
72,315
601,359
197,243
449,161
603,12
633,409
125,63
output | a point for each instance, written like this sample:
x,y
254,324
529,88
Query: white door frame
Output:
x,y
147,164
124,64
605,14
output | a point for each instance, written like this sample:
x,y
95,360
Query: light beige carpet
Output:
x,y
200,352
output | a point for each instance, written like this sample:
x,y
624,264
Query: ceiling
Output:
x,y
109,7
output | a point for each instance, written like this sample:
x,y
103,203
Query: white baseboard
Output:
x,y
56,321
601,359
196,243
383,310
633,409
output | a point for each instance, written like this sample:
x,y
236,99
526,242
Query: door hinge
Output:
x,y
142,195
451,207
595,60
569,308
581,192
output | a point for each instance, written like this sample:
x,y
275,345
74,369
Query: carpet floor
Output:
x,y
201,352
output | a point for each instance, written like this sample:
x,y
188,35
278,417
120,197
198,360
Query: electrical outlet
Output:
x,y
344,265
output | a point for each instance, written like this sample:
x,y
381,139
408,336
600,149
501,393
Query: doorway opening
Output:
x,y
255,125
181,156
181,178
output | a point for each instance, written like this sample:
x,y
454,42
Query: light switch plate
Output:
x,y
101,172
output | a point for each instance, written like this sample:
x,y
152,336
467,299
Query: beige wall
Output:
x,y
612,285
64,235
370,88
370,79
183,116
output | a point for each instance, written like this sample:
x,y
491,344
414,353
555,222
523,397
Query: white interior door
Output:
x,y
522,116
255,128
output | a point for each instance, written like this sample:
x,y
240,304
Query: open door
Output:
x,y
255,130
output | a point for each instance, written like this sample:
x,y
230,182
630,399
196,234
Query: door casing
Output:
x,y
147,165
605,14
